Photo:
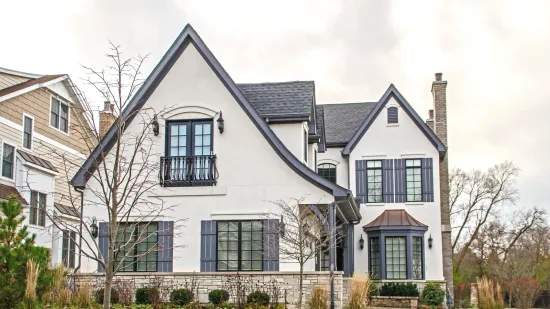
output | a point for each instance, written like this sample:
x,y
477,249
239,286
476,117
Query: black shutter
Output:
x,y
165,255
400,181
392,114
208,245
427,180
361,180
387,178
271,245
65,247
72,248
103,244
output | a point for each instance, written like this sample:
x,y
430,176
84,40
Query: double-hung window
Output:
x,y
374,181
8,160
136,247
68,248
27,132
414,180
59,115
37,215
240,245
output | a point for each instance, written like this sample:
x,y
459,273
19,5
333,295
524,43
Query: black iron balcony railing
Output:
x,y
186,171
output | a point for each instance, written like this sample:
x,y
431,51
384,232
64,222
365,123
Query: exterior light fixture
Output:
x,y
361,242
220,123
94,230
155,125
430,241
306,228
282,227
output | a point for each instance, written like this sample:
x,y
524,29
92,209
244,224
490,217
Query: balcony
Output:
x,y
188,171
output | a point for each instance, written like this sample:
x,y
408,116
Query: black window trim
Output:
x,y
239,251
367,180
135,262
407,182
58,115
12,178
190,134
332,165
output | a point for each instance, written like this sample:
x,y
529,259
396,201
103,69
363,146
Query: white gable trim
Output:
x,y
31,88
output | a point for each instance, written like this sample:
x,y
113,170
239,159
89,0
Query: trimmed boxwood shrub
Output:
x,y
99,294
259,298
147,295
181,297
399,289
217,297
433,295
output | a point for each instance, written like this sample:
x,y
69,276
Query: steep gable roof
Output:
x,y
186,37
392,92
342,121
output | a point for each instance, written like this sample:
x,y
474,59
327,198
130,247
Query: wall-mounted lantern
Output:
x,y
220,123
155,125
430,241
305,228
94,230
361,242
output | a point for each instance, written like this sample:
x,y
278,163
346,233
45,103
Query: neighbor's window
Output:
x,y
27,132
240,246
393,115
396,258
37,215
417,266
414,180
327,171
8,160
59,117
68,248
374,257
135,247
374,181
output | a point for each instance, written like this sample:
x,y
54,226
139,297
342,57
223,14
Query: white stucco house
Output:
x,y
376,164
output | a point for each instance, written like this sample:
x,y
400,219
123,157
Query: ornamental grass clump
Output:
x,y
319,298
489,294
359,296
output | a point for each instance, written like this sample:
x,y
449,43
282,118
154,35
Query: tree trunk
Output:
x,y
301,285
108,284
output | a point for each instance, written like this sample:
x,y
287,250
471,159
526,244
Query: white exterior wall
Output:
x,y
292,135
334,156
405,140
251,174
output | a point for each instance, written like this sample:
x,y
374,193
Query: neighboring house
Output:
x,y
377,162
40,151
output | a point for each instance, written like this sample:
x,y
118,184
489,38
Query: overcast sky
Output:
x,y
494,54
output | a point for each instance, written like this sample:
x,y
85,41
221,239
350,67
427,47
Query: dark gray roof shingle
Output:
x,y
36,160
283,98
67,210
343,119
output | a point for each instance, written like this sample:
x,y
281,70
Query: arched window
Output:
x,y
392,115
327,171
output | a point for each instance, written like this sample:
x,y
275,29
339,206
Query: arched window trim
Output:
x,y
328,175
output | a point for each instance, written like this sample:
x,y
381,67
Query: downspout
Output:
x,y
81,191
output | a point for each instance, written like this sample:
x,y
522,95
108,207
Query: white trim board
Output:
x,y
31,88
48,140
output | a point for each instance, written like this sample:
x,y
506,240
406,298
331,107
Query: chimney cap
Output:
x,y
438,77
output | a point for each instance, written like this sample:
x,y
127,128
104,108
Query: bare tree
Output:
x,y
476,197
123,182
303,237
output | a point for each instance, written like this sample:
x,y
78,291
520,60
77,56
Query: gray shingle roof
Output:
x,y
67,210
284,98
342,120
36,160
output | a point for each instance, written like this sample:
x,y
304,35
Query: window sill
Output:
x,y
374,204
194,191
414,203
392,125
37,227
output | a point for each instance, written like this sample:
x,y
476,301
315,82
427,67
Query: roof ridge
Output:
x,y
349,103
28,83
277,83
20,73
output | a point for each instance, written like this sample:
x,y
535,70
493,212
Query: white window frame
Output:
x,y
32,132
61,101
2,161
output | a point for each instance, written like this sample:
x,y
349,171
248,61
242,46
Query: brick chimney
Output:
x,y
438,118
106,118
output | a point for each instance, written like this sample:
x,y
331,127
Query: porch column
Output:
x,y
332,249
